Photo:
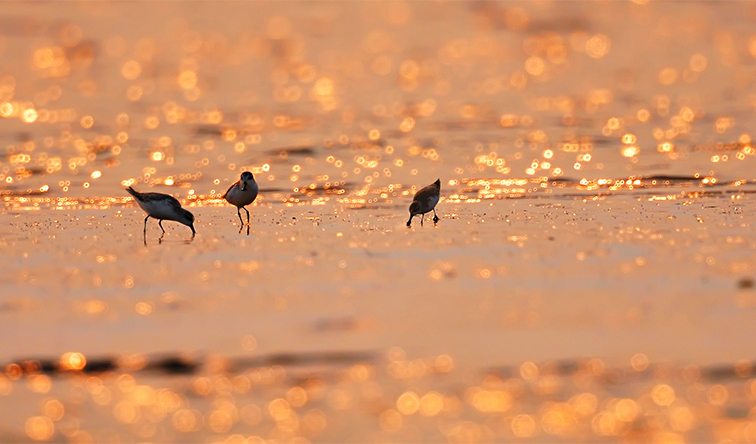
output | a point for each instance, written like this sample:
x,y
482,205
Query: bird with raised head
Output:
x,y
242,193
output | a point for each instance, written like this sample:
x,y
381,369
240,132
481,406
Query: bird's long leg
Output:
x,y
161,225
422,216
245,209
145,224
435,217
238,213
409,222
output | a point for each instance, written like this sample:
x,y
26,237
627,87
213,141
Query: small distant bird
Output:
x,y
162,207
242,193
425,201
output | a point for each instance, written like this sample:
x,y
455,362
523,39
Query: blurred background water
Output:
x,y
591,277
367,95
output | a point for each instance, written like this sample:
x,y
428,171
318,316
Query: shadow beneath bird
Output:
x,y
161,240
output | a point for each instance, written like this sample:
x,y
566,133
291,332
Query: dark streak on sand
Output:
x,y
182,365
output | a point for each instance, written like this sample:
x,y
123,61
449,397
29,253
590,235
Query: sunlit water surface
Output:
x,y
590,279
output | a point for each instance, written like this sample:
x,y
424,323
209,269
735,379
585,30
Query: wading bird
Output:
x,y
425,201
242,193
162,207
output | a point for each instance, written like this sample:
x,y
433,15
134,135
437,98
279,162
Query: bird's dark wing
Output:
x,y
230,188
415,207
175,204
425,193
151,197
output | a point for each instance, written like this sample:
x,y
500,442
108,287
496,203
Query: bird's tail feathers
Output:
x,y
133,192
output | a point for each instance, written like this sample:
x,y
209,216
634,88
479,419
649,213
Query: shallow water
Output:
x,y
590,279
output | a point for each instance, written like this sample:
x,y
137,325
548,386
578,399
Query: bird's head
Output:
x,y
246,179
187,218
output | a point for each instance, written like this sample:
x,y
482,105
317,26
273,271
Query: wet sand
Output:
x,y
336,279
591,277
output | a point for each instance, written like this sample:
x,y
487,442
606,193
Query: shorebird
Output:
x,y
243,192
425,201
162,207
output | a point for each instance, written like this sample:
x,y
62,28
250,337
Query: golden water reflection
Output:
x,y
551,400
524,122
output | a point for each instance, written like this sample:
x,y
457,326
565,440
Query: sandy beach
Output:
x,y
591,277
